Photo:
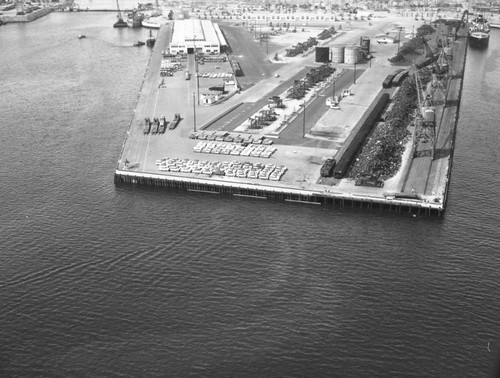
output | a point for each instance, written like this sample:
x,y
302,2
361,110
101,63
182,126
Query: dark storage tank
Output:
x,y
364,42
322,54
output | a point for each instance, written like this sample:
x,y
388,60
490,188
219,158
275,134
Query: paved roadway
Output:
x,y
315,109
235,118
251,56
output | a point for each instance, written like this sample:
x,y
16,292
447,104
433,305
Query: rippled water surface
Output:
x,y
103,281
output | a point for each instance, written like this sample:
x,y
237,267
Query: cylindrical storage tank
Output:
x,y
365,43
322,54
337,54
352,54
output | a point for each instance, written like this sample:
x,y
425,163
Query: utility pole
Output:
x,y
196,70
304,120
399,36
194,112
304,114
354,71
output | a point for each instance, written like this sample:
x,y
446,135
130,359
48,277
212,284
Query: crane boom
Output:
x,y
118,8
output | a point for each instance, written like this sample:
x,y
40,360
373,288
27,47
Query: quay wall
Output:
x,y
285,194
460,52
27,17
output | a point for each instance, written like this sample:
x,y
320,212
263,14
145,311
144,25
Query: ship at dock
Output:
x,y
154,18
134,19
479,32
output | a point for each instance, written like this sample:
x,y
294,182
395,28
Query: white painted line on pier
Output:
x,y
203,191
248,196
306,202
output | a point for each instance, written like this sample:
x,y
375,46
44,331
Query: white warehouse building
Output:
x,y
202,35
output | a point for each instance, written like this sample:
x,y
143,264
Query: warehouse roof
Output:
x,y
187,32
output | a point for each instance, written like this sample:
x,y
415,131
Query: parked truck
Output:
x,y
175,121
147,125
156,124
163,125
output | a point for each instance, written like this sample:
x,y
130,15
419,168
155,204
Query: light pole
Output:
x,y
194,112
304,114
399,37
354,71
333,96
196,70
304,120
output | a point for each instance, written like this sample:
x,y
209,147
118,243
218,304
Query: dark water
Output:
x,y
104,281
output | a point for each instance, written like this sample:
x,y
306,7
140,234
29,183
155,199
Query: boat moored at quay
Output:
x,y
134,19
479,32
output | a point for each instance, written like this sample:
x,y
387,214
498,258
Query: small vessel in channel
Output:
x,y
151,40
479,32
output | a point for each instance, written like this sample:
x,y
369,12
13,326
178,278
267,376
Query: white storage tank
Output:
x,y
352,54
337,54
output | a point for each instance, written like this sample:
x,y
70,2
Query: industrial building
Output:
x,y
200,35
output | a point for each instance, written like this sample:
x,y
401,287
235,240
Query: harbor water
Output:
x,y
103,281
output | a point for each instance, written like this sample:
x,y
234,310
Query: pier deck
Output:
x,y
302,155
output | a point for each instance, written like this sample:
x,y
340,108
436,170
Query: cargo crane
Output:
x,y
464,21
438,62
424,131
120,23
20,7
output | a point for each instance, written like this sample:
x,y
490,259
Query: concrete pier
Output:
x,y
12,17
420,186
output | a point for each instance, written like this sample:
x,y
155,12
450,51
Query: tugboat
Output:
x,y
479,32
151,40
